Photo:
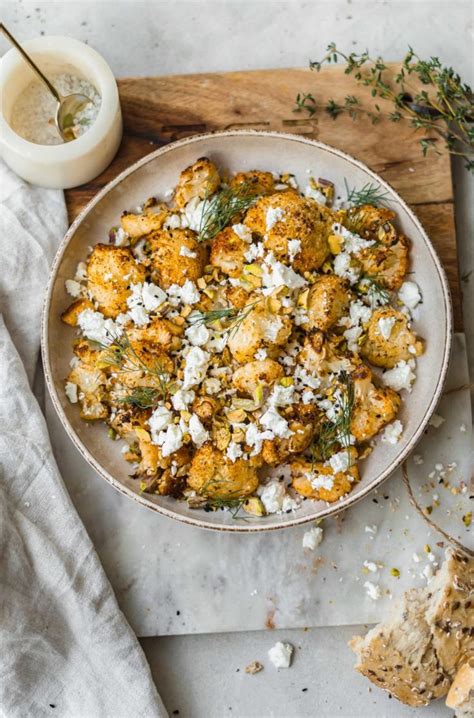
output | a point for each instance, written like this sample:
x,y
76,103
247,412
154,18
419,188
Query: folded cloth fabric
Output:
x,y
66,649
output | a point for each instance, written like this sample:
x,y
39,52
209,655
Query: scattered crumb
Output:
x,y
463,428
370,566
254,667
312,538
436,421
417,460
280,654
373,591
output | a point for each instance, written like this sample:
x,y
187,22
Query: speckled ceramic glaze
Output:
x,y
239,151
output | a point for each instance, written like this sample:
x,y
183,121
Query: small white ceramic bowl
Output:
x,y
73,163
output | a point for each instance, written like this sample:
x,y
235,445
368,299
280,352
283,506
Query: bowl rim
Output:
x,y
236,527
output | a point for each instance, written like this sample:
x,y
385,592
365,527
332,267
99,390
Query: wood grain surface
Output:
x,y
158,110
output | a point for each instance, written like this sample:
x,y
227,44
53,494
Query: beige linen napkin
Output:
x,y
65,646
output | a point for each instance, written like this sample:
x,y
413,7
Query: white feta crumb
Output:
x,y
436,421
73,288
273,421
315,194
371,529
255,438
280,654
416,558
182,398
373,591
234,451
172,222
463,428
371,566
273,215
342,267
81,272
197,334
171,440
186,252
385,326
260,354
427,573
340,462
199,434
294,246
195,368
121,238
190,293
313,538
159,420
352,241
71,391
243,232
392,432
97,328
418,460
400,377
212,385
322,481
409,294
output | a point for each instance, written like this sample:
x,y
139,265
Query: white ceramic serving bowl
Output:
x,y
233,151
72,163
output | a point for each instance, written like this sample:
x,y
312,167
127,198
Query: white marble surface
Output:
x,y
176,579
196,674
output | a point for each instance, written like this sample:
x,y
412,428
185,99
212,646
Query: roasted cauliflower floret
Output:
x,y
318,481
320,355
255,181
277,451
72,312
370,222
248,377
111,270
286,216
389,339
328,300
374,406
90,383
237,296
137,225
144,364
258,328
164,332
206,407
213,475
176,256
199,180
227,252
387,263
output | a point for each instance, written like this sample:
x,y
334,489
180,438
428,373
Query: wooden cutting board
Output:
x,y
158,110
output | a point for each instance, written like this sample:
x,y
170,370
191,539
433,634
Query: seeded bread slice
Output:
x,y
461,693
415,653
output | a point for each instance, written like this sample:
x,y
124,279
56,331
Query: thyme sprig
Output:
x,y
218,209
438,93
338,432
233,315
370,193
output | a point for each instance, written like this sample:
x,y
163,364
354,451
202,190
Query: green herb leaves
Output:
x,y
220,208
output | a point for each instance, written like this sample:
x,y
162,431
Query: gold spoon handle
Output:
x,y
30,62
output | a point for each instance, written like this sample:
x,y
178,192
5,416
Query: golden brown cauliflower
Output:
x,y
255,181
259,328
227,252
328,300
320,355
276,451
164,332
90,383
70,315
206,407
284,216
170,260
374,406
199,180
389,339
388,264
303,470
110,272
137,225
249,376
213,475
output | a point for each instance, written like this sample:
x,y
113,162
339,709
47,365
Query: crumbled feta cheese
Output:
x,y
73,288
400,377
312,538
315,194
322,481
199,434
260,354
272,327
370,566
198,334
243,232
373,591
139,316
71,392
97,328
463,428
152,296
342,267
392,432
294,246
234,451
409,294
359,313
416,558
273,421
352,335
417,460
340,461
312,382
190,293
272,496
255,438
182,398
193,213
212,386
170,440
273,215
159,420
282,395
307,396
81,272
436,421
186,252
352,242
385,326
254,252
280,654
172,222
275,274
121,238
371,529
195,368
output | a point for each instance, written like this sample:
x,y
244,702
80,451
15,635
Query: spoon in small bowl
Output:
x,y
68,105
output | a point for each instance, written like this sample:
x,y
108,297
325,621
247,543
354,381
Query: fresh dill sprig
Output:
x,y
371,287
428,96
338,432
123,358
218,209
232,505
143,397
234,315
369,194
